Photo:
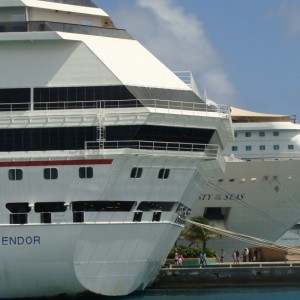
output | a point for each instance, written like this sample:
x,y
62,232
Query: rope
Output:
x,y
288,197
247,238
247,205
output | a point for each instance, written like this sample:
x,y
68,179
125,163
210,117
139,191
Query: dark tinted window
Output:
x,y
50,173
15,174
85,172
50,207
22,207
102,205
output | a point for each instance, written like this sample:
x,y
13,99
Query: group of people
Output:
x,y
236,256
247,255
178,259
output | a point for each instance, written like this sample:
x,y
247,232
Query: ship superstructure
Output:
x,y
258,194
102,149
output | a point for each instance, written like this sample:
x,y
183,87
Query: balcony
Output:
x,y
37,26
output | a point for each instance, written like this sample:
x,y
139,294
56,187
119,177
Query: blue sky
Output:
x,y
245,52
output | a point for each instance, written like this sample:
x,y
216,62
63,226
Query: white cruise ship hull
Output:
x,y
102,149
257,198
108,254
108,258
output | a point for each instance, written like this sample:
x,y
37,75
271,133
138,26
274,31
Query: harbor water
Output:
x,y
249,293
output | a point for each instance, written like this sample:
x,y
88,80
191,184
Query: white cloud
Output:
x,y
179,40
289,11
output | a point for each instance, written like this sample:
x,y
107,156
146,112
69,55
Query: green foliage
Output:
x,y
196,234
188,252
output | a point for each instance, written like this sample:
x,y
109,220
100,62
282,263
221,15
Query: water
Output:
x,y
257,293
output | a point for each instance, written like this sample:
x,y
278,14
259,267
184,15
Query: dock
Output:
x,y
229,275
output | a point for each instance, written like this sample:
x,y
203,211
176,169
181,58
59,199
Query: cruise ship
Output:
x,y
259,193
103,152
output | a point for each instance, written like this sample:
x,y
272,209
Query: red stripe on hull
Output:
x,y
44,163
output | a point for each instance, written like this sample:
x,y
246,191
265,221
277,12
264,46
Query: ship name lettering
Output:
x,y
234,197
222,197
205,197
20,240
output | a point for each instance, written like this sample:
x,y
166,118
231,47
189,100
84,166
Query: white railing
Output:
x,y
270,156
209,150
188,78
112,104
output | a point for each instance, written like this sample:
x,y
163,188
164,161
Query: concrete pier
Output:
x,y
229,275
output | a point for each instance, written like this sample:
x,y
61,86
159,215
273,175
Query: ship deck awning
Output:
x,y
240,115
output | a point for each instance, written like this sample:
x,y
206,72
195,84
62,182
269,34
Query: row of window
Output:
x,y
260,133
88,97
138,172
75,138
89,206
78,217
50,173
19,211
84,172
262,148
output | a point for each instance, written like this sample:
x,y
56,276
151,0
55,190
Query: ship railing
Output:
x,y
36,26
155,104
278,156
188,78
208,150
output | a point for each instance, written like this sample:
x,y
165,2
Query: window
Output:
x,y
42,207
86,172
78,216
86,22
44,139
248,134
20,207
156,216
248,148
136,173
15,174
137,216
18,219
15,99
262,134
235,134
156,206
164,173
291,147
234,148
102,205
18,17
50,173
46,217
262,147
275,133
19,212
276,147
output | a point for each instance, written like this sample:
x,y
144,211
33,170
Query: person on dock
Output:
x,y
202,259
222,255
176,259
234,257
285,256
237,256
180,259
246,255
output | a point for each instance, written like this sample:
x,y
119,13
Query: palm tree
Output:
x,y
196,234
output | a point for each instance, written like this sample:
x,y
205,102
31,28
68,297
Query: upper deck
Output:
x,y
34,16
264,136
